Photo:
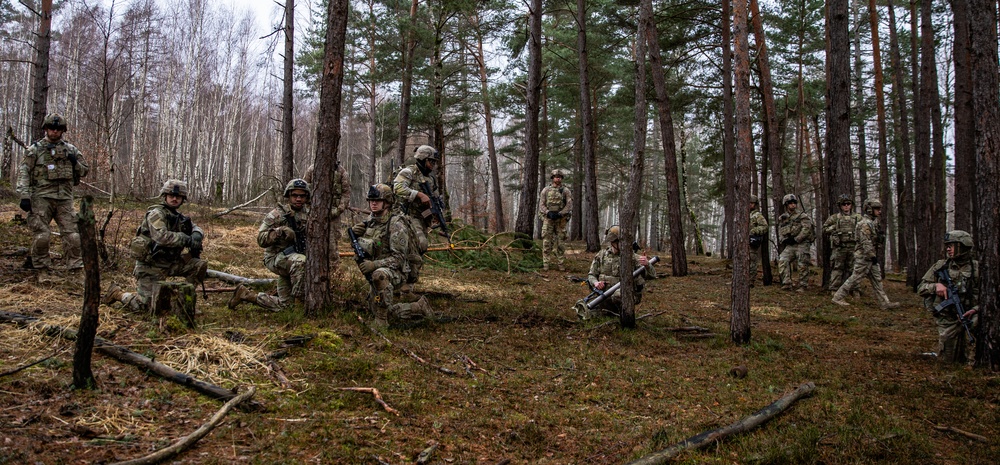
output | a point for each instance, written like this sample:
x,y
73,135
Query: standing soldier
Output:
x,y
409,187
340,193
605,271
963,272
840,227
555,208
865,260
282,234
45,181
157,246
387,242
758,234
795,232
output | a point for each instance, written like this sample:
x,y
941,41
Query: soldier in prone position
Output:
x,y
840,227
45,181
157,249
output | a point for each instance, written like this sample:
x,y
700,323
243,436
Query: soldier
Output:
x,y
605,271
408,186
340,193
157,247
282,234
45,181
758,234
555,207
795,232
840,227
963,272
387,241
865,260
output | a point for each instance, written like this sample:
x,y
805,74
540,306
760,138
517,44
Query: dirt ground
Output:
x,y
513,377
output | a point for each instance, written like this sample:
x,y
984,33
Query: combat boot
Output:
x,y
838,298
889,305
114,294
240,295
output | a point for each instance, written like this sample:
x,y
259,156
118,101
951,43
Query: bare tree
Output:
x,y
406,85
491,149
772,143
40,69
904,171
287,102
739,323
529,188
883,149
728,131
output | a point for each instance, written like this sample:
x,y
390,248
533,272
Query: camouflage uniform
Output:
x,y
796,232
607,267
388,241
758,229
841,226
964,274
45,181
165,234
406,187
340,200
865,261
555,208
277,236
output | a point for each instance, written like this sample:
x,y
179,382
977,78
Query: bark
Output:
x,y
839,177
678,254
83,376
233,279
739,323
986,86
939,212
965,130
884,193
927,242
174,298
859,102
588,216
406,84
745,425
728,128
772,145
904,174
40,70
529,190
288,87
497,194
317,285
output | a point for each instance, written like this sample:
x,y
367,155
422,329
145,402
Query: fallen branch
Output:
x,y
279,374
232,209
406,351
233,279
25,367
187,441
127,356
747,424
374,392
952,429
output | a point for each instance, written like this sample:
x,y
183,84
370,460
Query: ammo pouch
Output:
x,y
141,247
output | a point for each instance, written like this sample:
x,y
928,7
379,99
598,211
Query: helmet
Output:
x,y
789,198
425,151
297,184
175,187
381,192
54,121
613,234
557,172
844,200
754,200
959,236
871,205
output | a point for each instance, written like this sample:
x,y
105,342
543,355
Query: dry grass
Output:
x,y
530,383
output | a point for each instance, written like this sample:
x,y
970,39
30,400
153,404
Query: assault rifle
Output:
x,y
596,296
953,301
300,236
359,253
437,207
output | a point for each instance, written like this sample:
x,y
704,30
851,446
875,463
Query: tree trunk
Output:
x,y
288,88
965,130
728,127
589,198
497,194
406,84
40,71
317,285
927,242
172,298
771,130
526,207
859,102
986,86
83,376
883,149
904,173
839,175
678,254
739,323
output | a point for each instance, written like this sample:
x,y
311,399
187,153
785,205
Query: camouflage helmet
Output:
x,y
297,184
754,200
425,152
959,236
871,205
175,187
381,192
613,234
844,200
54,121
557,172
789,198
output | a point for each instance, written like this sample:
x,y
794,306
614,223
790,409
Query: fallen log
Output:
x,y
233,279
127,356
747,424
232,209
186,442
952,429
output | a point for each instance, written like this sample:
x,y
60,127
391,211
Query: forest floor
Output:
x,y
528,382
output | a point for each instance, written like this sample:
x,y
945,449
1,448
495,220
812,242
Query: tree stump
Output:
x,y
174,298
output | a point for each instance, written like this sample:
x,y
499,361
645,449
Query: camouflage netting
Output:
x,y
506,251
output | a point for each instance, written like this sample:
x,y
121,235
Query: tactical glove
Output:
x,y
367,266
287,233
26,205
359,229
196,246
72,158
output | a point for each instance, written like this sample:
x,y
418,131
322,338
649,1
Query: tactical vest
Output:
x,y
844,227
52,164
555,199
792,227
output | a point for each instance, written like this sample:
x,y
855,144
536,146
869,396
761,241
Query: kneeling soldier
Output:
x,y
605,271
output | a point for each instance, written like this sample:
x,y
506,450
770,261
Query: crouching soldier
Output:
x,y
605,271
387,242
282,234
962,273
157,248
